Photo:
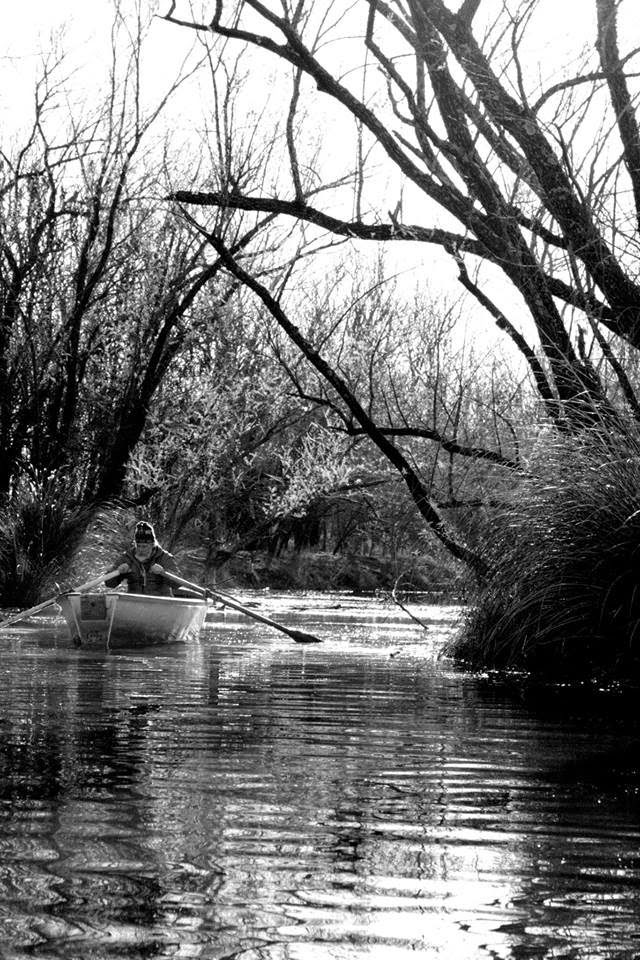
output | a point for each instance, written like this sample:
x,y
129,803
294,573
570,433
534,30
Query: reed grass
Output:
x,y
40,530
563,594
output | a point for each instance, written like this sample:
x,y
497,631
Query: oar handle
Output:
x,y
96,583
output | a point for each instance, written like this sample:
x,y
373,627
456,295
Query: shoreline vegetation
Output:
x,y
562,546
561,601
327,572
563,597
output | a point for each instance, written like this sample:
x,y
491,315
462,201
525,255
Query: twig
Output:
x,y
399,603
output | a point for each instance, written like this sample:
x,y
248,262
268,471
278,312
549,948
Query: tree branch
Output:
x,y
353,229
572,215
399,231
427,509
575,82
451,446
542,383
607,44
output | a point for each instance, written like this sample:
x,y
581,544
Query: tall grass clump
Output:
x,y
563,594
40,529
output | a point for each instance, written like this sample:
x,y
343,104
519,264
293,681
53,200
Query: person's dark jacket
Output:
x,y
140,579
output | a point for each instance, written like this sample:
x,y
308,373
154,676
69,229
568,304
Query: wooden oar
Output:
x,y
47,603
298,635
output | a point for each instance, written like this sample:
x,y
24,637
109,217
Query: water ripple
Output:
x,y
246,797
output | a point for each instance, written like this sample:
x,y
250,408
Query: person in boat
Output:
x,y
143,564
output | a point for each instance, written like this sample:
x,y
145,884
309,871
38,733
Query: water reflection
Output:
x,y
249,797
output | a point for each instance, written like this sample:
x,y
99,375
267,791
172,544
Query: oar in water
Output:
x,y
298,635
47,603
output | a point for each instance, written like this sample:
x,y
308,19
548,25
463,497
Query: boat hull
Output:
x,y
115,620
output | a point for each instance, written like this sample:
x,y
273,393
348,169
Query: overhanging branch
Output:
x,y
355,229
419,494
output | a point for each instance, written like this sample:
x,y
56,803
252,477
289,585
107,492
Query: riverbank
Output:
x,y
319,571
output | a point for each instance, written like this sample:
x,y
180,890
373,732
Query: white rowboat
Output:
x,y
115,620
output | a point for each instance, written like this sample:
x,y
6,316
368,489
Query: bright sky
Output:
x,y
34,28
83,28
29,24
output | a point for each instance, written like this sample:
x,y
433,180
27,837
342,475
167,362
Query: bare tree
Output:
x,y
530,182
101,292
100,279
476,137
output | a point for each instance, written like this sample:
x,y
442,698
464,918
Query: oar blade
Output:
x,y
26,613
300,636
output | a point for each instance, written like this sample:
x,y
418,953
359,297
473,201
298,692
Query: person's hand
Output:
x,y
156,568
124,568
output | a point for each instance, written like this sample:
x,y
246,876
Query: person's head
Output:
x,y
144,539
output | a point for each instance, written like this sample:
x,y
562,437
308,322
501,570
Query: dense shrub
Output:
x,y
40,529
563,594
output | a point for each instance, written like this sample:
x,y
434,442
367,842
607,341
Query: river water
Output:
x,y
249,797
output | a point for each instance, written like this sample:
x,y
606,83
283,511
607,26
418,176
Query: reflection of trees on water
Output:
x,y
73,748
47,752
222,788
